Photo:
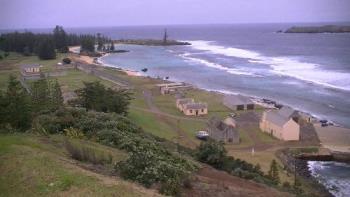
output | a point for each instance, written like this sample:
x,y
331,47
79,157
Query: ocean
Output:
x,y
310,72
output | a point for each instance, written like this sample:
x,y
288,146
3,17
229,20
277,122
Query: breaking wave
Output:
x,y
284,66
234,71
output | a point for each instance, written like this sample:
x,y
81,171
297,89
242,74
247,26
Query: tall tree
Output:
x,y
16,105
56,95
87,44
112,47
46,49
60,38
40,95
273,172
97,97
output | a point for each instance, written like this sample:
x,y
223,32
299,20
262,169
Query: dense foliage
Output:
x,y
46,49
15,106
97,97
45,44
18,107
214,154
46,95
149,163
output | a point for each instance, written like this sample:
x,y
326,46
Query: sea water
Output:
x,y
310,72
333,175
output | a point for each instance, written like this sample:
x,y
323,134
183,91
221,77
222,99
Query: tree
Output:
x,y
273,172
15,105
60,38
87,44
56,95
212,153
40,95
46,49
99,42
97,97
112,47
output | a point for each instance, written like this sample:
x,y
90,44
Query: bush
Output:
x,y
66,60
149,163
81,152
212,153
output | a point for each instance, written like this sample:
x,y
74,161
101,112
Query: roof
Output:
x,y
184,101
169,84
233,100
30,66
196,105
221,131
280,117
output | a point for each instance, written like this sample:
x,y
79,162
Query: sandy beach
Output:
x,y
90,60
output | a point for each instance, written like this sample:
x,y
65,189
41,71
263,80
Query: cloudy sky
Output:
x,y
88,13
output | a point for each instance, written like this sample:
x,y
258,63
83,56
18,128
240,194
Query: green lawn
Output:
x,y
148,121
39,166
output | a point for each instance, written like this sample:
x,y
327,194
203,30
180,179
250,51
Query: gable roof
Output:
x,y
196,106
221,131
280,117
30,66
184,101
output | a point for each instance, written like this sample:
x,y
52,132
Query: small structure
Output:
x,y
221,131
282,124
30,71
180,103
168,88
195,109
238,102
191,108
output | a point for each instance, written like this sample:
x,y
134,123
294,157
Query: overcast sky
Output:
x,y
88,13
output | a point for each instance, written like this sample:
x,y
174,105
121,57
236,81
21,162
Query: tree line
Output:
x,y
45,45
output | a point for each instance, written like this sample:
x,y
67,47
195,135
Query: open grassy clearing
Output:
x,y
149,123
40,166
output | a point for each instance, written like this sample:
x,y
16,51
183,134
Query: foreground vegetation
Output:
x,y
40,166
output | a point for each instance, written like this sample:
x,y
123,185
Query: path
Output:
x,y
147,94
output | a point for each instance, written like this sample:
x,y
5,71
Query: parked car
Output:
x,y
202,135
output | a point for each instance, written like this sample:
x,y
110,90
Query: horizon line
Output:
x,y
179,24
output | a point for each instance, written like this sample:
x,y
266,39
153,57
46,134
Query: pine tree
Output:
x,y
273,172
56,95
46,49
41,95
112,47
16,105
60,39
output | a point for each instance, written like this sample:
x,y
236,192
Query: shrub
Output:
x,y
81,152
212,153
66,60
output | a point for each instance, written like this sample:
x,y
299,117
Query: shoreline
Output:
x,y
258,100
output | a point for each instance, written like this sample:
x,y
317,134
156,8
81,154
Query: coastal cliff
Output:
x,y
319,29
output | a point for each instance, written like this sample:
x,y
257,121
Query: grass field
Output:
x,y
40,166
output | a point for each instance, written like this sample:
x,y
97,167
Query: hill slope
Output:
x,y
40,166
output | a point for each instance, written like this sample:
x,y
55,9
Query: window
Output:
x,y
202,110
191,111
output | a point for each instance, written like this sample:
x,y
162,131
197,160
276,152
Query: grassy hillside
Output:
x,y
41,166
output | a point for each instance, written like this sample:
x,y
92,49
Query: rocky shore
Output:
x,y
300,166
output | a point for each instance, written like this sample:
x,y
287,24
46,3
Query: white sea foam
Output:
x,y
234,71
337,183
284,66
